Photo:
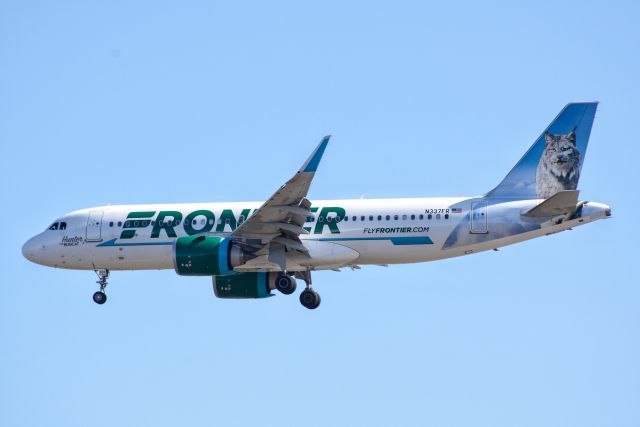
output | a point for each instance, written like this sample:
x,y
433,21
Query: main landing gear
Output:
x,y
286,284
308,298
100,297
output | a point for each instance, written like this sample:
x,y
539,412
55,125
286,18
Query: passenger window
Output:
x,y
446,216
379,217
395,217
404,217
421,217
346,218
110,223
388,217
54,226
370,217
362,218
438,216
120,223
429,216
354,218
413,217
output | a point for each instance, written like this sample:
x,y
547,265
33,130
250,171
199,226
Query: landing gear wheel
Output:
x,y
99,297
310,299
285,284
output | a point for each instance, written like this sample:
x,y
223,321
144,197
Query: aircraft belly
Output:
x,y
144,257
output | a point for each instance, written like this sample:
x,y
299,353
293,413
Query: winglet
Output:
x,y
311,165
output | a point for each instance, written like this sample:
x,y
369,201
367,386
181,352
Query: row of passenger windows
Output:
x,y
146,222
354,218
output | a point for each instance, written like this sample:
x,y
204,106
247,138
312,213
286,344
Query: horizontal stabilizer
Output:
x,y
561,203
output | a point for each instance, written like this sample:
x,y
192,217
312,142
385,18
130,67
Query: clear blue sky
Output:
x,y
134,102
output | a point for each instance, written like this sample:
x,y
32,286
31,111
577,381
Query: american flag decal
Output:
x,y
456,210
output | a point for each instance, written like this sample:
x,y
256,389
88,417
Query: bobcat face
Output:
x,y
559,166
560,154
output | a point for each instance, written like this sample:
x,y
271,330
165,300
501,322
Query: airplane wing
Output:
x,y
275,227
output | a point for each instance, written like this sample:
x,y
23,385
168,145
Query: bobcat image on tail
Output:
x,y
559,166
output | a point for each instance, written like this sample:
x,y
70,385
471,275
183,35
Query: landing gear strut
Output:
x,y
100,297
308,298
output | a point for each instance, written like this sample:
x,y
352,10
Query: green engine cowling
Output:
x,y
243,285
217,256
206,256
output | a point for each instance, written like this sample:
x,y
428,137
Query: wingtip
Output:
x,y
311,165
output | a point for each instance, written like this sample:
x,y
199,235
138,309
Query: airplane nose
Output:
x,y
30,249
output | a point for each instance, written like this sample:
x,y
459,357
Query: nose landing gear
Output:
x,y
100,297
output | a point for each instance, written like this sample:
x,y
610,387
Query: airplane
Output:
x,y
251,249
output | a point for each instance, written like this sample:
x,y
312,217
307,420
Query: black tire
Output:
x,y
285,284
310,299
99,297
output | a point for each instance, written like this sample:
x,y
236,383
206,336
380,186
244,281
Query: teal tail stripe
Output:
x,y
112,242
398,241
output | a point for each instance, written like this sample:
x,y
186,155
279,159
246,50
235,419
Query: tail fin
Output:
x,y
554,161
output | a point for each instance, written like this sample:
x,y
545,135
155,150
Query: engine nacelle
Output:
x,y
206,256
244,285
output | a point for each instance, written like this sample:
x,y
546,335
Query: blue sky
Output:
x,y
135,102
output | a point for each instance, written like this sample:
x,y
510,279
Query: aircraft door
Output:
x,y
94,226
479,218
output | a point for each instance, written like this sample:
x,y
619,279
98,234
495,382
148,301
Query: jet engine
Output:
x,y
244,285
206,256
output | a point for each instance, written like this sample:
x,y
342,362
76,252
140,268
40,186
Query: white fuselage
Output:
x,y
341,232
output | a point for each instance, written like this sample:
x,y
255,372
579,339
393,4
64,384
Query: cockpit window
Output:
x,y
54,226
63,226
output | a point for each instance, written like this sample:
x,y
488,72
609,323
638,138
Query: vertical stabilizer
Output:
x,y
554,161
